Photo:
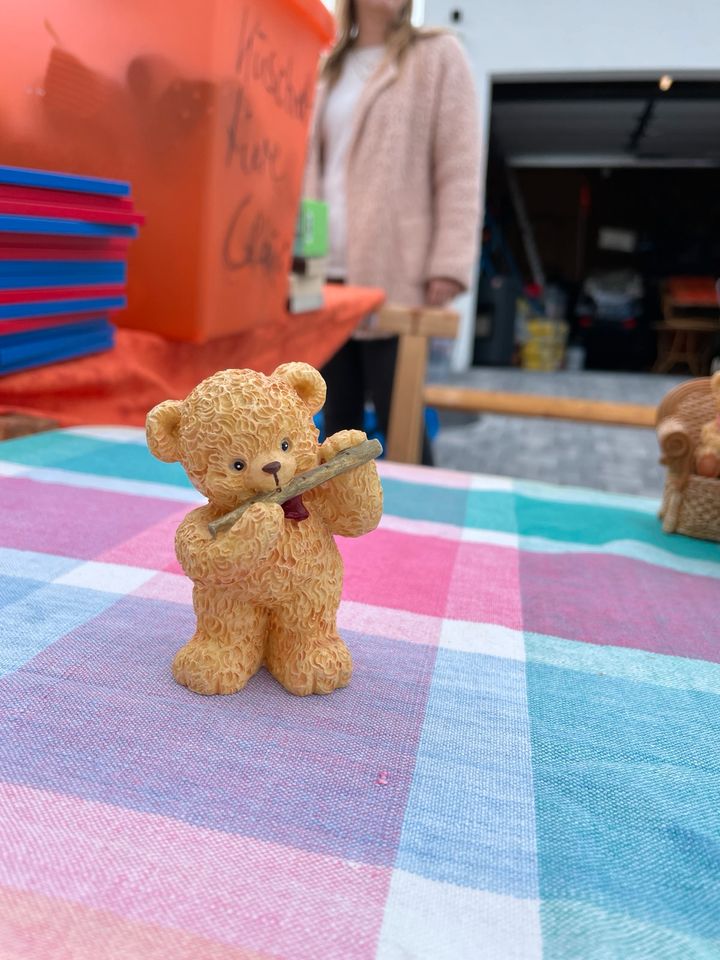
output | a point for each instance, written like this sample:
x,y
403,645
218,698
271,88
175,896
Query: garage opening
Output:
x,y
602,236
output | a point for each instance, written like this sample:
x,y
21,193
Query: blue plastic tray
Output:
x,y
23,351
73,275
63,228
24,177
59,308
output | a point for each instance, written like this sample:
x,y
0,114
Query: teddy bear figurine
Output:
x,y
707,456
266,590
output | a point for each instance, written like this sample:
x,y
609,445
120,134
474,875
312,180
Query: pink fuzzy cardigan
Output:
x,y
413,172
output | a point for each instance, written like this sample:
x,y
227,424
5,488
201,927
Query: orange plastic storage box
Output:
x,y
205,106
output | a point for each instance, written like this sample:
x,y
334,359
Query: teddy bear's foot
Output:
x,y
207,667
313,669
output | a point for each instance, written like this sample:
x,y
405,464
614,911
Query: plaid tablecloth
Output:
x,y
526,764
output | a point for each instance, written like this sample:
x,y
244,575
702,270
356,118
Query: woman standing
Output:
x,y
394,153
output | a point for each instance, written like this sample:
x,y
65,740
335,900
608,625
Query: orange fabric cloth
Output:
x,y
119,387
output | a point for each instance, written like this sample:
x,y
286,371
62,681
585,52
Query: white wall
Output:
x,y
572,36
519,39
418,9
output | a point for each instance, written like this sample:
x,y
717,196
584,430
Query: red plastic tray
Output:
x,y
25,326
44,294
28,208
91,246
43,195
58,253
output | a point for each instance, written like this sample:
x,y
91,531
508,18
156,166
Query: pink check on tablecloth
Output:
x,y
525,764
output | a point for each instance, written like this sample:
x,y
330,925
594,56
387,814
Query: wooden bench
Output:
x,y
20,424
411,395
531,405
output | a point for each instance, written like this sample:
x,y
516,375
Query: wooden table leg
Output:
x,y
413,325
707,356
663,360
404,440
693,359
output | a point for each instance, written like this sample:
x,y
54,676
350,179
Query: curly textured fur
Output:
x,y
707,457
267,590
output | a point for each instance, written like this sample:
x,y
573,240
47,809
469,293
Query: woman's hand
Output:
x,y
440,291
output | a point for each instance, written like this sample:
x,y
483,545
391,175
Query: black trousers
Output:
x,y
363,370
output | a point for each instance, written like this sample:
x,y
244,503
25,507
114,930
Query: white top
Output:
x,y
337,124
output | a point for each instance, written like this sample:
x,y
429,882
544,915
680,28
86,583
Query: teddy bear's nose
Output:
x,y
271,467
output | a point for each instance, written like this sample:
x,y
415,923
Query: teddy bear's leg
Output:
x,y
307,660
304,651
227,647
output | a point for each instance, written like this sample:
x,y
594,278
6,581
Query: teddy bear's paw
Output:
x,y
211,668
320,669
340,441
708,463
262,523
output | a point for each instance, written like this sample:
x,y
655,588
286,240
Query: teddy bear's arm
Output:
x,y
350,504
232,554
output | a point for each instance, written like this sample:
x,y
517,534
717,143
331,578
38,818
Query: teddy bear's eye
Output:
x,y
285,445
238,465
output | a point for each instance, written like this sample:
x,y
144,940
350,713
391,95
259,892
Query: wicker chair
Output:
x,y
691,504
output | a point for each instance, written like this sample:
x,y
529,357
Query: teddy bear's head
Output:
x,y
240,433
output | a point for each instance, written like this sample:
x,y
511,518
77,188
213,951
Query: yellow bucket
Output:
x,y
544,348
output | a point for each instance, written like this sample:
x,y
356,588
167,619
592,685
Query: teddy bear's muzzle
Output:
x,y
273,469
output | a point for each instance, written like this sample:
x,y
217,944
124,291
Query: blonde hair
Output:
x,y
402,34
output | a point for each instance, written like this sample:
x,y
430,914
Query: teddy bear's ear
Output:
x,y
305,381
161,428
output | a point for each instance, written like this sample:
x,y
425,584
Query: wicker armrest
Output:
x,y
677,448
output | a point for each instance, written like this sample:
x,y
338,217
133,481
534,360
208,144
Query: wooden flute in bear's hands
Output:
x,y
346,460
